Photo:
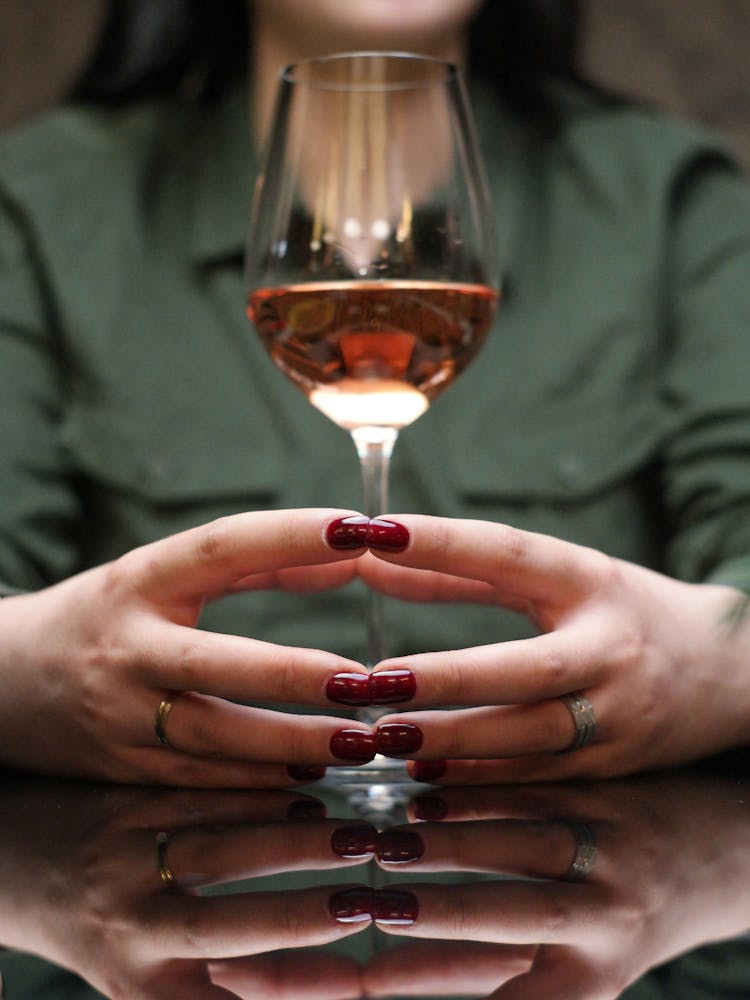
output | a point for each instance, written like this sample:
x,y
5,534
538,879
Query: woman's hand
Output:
x,y
666,871
86,664
116,879
665,671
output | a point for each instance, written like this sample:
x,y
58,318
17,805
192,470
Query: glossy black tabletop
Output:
x,y
637,888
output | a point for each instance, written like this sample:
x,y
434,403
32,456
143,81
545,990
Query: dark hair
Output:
x,y
152,47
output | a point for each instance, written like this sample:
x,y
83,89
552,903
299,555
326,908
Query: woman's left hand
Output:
x,y
664,668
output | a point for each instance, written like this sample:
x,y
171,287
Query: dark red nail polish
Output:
x,y
351,905
389,687
428,770
398,738
357,840
394,906
301,773
429,808
353,744
348,532
306,809
397,847
349,689
388,536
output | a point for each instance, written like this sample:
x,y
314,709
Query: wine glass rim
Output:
x,y
450,71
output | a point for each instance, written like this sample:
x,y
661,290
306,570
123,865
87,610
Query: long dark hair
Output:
x,y
153,47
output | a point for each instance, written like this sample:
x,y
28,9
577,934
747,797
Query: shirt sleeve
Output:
x,y
705,483
40,510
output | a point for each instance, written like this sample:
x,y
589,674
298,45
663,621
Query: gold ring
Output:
x,y
162,713
165,872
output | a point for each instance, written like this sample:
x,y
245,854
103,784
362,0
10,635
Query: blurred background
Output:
x,y
690,56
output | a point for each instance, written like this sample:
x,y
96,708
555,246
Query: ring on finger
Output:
x,y
165,872
162,714
584,858
583,717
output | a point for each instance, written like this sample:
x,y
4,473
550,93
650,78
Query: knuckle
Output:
x,y
212,542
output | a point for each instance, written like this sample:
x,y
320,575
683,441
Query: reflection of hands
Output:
x,y
648,652
90,660
82,883
671,872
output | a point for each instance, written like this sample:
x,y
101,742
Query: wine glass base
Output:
x,y
377,790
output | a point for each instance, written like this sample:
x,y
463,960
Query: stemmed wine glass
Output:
x,y
370,268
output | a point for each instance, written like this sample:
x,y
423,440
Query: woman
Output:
x,y
594,460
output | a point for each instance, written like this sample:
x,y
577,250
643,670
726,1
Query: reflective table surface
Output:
x,y
637,888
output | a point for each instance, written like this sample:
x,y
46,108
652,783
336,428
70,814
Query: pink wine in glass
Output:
x,y
373,353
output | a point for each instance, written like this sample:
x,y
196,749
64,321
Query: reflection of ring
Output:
x,y
585,721
166,873
160,722
582,864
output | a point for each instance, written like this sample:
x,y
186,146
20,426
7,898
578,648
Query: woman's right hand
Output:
x,y
86,664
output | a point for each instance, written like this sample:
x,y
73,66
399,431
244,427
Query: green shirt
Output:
x,y
609,406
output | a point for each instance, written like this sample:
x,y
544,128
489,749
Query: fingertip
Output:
x,y
386,535
347,533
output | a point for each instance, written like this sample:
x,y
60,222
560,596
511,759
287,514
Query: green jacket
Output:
x,y
610,405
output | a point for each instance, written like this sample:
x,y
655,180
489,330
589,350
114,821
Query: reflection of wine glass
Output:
x,y
371,259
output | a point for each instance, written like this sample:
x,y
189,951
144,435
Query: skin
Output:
x,y
666,672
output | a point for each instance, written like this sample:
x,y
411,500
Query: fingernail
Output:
x,y
300,773
398,738
394,906
428,770
353,744
351,905
429,808
389,536
397,847
357,840
349,689
304,809
389,687
348,532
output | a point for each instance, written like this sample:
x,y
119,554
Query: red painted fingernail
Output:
x,y
305,773
394,906
353,744
398,738
306,809
357,840
397,847
429,808
388,536
348,532
389,687
349,689
428,770
351,906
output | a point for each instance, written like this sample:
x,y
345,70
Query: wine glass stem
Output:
x,y
375,446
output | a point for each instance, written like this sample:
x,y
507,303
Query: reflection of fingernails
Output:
x,y
351,906
428,770
302,773
349,689
304,809
348,532
395,739
353,744
357,840
389,687
397,847
388,536
394,906
429,808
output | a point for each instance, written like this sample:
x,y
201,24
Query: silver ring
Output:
x,y
583,861
583,716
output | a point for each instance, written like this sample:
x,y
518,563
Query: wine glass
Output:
x,y
370,268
